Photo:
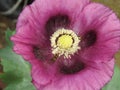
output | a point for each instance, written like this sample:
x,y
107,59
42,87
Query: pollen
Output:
x,y
64,42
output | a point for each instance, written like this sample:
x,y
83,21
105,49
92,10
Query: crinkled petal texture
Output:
x,y
98,28
38,22
93,77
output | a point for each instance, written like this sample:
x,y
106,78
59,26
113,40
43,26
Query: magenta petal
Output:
x,y
25,50
47,9
42,73
94,77
31,29
106,25
89,69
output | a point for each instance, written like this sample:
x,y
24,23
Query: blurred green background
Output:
x,y
9,21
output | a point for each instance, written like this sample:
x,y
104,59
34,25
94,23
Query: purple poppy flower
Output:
x,y
69,43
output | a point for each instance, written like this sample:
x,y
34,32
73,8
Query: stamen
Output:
x,y
54,57
64,42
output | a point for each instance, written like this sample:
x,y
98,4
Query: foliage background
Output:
x,y
6,22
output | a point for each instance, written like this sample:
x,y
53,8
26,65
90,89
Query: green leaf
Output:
x,y
8,34
16,74
114,84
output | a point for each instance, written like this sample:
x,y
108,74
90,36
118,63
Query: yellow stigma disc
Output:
x,y
65,41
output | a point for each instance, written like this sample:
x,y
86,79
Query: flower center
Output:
x,y
64,42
